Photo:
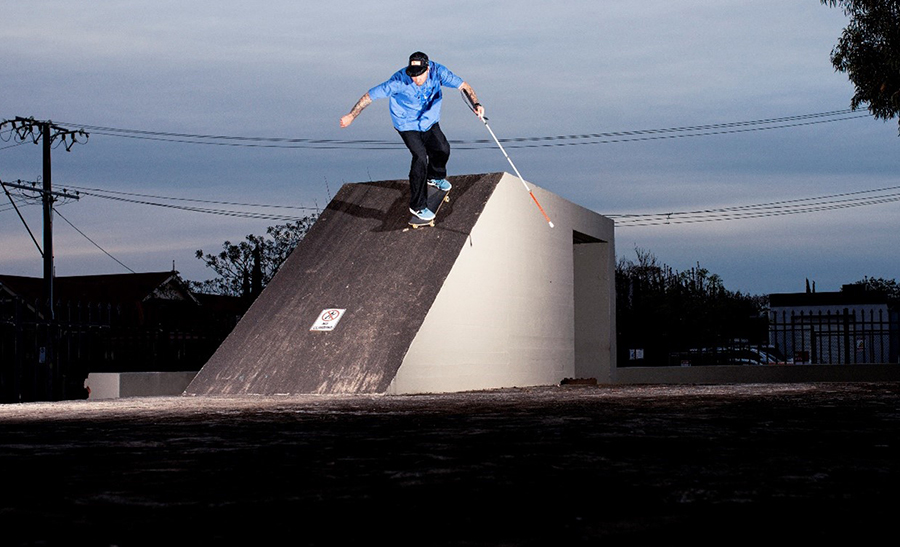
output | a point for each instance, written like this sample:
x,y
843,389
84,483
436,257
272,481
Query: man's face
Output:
x,y
420,79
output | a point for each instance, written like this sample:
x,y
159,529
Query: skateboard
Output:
x,y
434,200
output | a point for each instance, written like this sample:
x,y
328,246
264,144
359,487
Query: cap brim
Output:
x,y
415,70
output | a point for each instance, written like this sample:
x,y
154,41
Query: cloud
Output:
x,y
288,69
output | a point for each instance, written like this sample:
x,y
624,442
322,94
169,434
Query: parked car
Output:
x,y
737,355
753,356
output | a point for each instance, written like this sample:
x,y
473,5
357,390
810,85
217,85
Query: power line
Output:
x,y
766,124
222,212
12,145
642,219
738,212
91,192
92,241
18,202
832,202
652,135
114,195
241,141
289,143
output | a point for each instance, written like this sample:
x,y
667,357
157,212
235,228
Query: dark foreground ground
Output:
x,y
746,465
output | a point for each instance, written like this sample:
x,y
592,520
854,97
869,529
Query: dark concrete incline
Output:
x,y
359,256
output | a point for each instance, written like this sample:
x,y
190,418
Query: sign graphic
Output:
x,y
328,319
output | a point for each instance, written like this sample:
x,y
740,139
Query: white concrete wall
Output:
x,y
505,316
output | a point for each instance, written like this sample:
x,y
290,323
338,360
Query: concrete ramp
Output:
x,y
484,299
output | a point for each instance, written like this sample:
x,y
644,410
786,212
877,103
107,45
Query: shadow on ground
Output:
x,y
579,465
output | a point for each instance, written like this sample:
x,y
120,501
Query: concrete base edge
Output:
x,y
758,374
113,385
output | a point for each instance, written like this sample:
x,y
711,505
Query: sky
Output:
x,y
275,76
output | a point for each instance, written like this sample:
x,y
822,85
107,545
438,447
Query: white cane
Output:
x,y
471,104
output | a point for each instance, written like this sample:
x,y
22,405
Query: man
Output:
x,y
415,105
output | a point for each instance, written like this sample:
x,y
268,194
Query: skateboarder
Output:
x,y
415,105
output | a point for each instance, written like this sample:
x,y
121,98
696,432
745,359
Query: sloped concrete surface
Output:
x,y
803,464
361,257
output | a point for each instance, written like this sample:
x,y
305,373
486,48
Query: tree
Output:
x,y
877,285
661,310
869,52
245,268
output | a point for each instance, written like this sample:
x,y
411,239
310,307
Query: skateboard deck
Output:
x,y
434,200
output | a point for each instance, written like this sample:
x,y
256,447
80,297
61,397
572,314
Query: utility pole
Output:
x,y
47,201
46,132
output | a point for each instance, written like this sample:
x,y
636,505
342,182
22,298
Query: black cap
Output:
x,y
418,64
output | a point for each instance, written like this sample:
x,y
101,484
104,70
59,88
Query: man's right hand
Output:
x,y
347,120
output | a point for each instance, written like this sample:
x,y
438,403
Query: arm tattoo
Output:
x,y
363,102
470,93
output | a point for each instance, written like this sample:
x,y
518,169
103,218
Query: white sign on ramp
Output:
x,y
328,319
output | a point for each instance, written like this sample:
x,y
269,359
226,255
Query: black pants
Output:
x,y
430,152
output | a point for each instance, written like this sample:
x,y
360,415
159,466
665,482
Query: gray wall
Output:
x,y
506,315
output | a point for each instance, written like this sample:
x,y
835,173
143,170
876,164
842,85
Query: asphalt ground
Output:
x,y
562,465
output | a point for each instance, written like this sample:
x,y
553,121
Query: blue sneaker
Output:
x,y
424,213
440,184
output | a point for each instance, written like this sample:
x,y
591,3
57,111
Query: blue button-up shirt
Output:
x,y
414,107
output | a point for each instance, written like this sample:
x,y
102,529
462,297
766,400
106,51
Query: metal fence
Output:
x,y
869,334
42,360
836,337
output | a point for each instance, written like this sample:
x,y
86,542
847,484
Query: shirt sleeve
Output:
x,y
380,91
385,89
446,77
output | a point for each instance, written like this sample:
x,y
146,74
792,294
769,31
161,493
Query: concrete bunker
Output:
x,y
491,297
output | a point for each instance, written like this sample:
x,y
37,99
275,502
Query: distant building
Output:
x,y
852,326
104,323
